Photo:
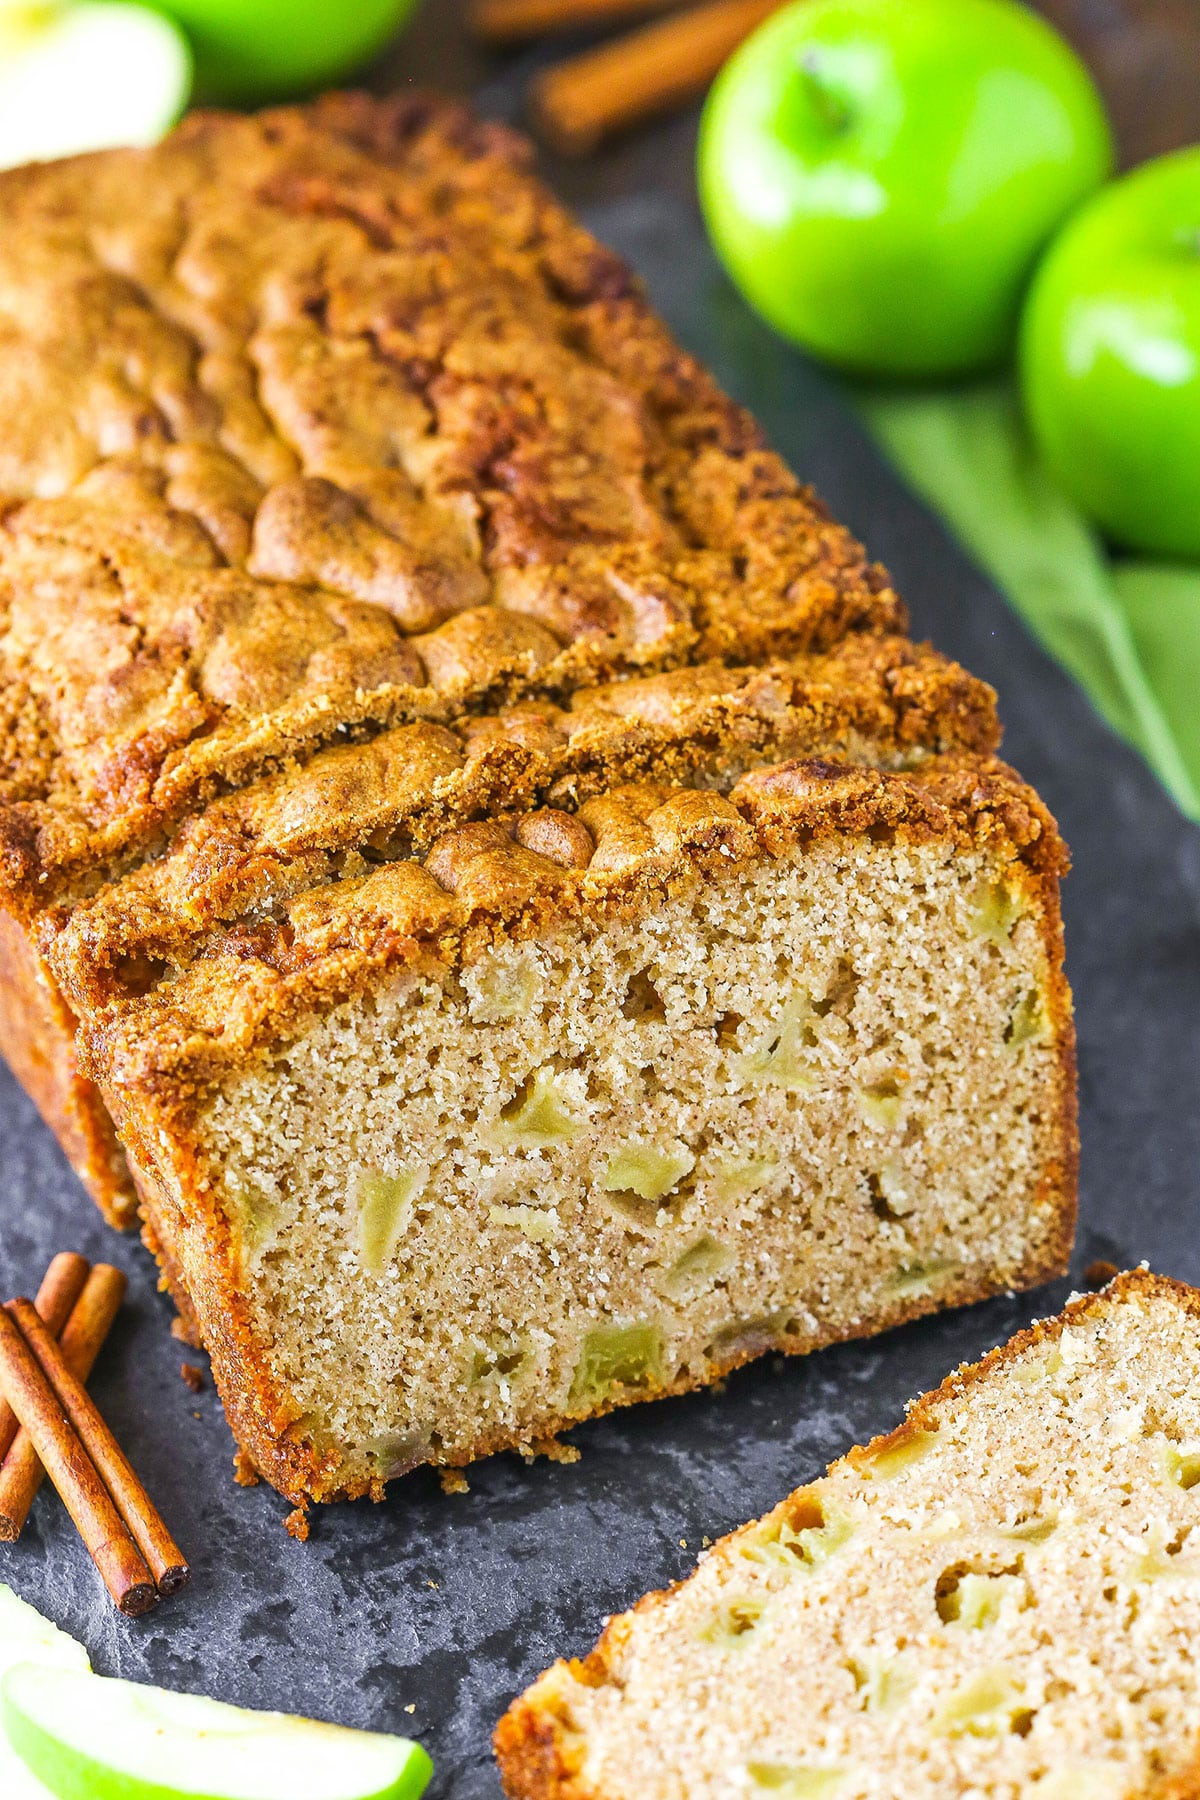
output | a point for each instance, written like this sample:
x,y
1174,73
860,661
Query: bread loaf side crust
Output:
x,y
37,1040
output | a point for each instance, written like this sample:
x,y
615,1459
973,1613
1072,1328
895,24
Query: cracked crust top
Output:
x,y
330,419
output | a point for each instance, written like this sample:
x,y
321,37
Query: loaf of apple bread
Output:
x,y
482,867
1000,1600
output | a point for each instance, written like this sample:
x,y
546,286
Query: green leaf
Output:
x,y
966,452
1162,604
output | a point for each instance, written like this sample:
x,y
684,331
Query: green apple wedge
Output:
x,y
25,1637
85,76
89,1738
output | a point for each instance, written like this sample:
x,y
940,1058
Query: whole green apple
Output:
x,y
879,176
253,50
1110,357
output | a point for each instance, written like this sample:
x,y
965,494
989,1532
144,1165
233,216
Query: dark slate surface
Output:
x,y
449,1605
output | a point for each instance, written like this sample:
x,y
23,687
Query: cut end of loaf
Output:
x,y
774,1102
998,1600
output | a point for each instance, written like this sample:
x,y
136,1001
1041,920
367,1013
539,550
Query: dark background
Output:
x,y
449,1605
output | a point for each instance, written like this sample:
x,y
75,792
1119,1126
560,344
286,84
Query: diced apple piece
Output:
x,y
540,1224
385,1210
1028,1023
1161,1559
539,1116
924,1276
975,1601
647,1171
255,1216
697,1267
1028,1369
993,910
792,1781
1180,1464
730,1625
897,1452
895,1191
880,1102
983,1705
616,1356
738,1177
885,1679
506,990
89,1738
803,1546
778,1059
1034,1530
394,1452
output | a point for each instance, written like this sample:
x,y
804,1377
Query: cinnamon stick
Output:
x,y
162,1554
579,102
81,1340
73,1473
517,21
61,1287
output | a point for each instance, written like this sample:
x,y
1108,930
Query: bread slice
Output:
x,y
482,867
586,1107
1000,1600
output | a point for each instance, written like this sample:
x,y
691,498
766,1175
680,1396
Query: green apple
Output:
x,y
253,50
25,1637
89,1738
880,176
85,76
1110,358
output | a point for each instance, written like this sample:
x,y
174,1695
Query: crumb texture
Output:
x,y
612,1158
999,1601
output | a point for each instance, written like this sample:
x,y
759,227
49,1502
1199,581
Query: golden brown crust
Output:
x,y
346,422
37,1040
541,1759
875,699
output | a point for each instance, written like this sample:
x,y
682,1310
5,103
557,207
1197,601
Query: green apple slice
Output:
x,y
89,1738
85,76
25,1637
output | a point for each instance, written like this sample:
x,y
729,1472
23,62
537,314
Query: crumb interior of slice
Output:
x,y
785,1103
1005,1605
